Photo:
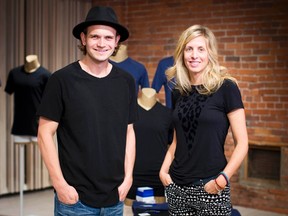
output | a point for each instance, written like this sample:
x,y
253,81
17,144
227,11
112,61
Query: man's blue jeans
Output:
x,y
79,209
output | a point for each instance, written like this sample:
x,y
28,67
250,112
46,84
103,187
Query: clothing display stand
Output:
x,y
24,143
21,147
21,175
27,82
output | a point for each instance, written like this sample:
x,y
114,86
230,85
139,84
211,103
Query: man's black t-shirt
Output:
x,y
93,115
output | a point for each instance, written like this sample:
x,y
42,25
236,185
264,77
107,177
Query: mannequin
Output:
x,y
154,133
121,54
148,98
31,63
160,79
135,68
30,66
27,82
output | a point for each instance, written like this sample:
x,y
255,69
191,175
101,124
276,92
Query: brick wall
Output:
x,y
253,44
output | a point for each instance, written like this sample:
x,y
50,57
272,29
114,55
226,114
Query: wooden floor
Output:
x,y
40,203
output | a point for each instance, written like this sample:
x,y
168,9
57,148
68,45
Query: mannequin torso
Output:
x,y
153,132
121,54
133,67
31,63
148,98
27,83
30,66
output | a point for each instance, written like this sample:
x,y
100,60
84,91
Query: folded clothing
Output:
x,y
155,209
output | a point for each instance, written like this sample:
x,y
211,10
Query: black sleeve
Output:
x,y
232,96
10,86
51,106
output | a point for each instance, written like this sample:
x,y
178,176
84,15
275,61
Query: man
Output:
x,y
92,106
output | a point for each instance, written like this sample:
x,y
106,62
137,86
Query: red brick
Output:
x,y
252,40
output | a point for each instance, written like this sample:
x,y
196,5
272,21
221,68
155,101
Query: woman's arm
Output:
x,y
239,131
237,121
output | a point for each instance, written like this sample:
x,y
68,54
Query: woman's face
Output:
x,y
196,55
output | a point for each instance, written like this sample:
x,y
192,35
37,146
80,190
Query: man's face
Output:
x,y
100,41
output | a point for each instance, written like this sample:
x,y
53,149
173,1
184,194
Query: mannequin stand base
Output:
x,y
22,185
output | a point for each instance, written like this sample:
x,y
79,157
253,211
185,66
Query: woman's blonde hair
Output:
x,y
213,75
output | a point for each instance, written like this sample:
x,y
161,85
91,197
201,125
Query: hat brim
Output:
x,y
121,30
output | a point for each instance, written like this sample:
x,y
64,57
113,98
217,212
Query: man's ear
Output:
x,y
83,38
117,39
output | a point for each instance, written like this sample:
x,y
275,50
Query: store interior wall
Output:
x,y
43,28
253,45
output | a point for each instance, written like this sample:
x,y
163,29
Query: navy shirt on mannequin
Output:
x,y
160,79
135,68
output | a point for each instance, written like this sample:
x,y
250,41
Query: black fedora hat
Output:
x,y
101,15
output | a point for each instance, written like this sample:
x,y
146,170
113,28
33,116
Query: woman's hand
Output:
x,y
212,188
215,186
165,178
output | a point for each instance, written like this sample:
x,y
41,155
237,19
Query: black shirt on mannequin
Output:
x,y
28,88
153,133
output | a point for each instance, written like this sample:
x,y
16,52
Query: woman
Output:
x,y
206,102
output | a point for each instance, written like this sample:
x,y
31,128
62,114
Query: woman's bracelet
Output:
x,y
225,176
218,190
221,188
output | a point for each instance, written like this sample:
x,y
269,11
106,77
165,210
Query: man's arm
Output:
x,y
129,163
169,157
46,131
